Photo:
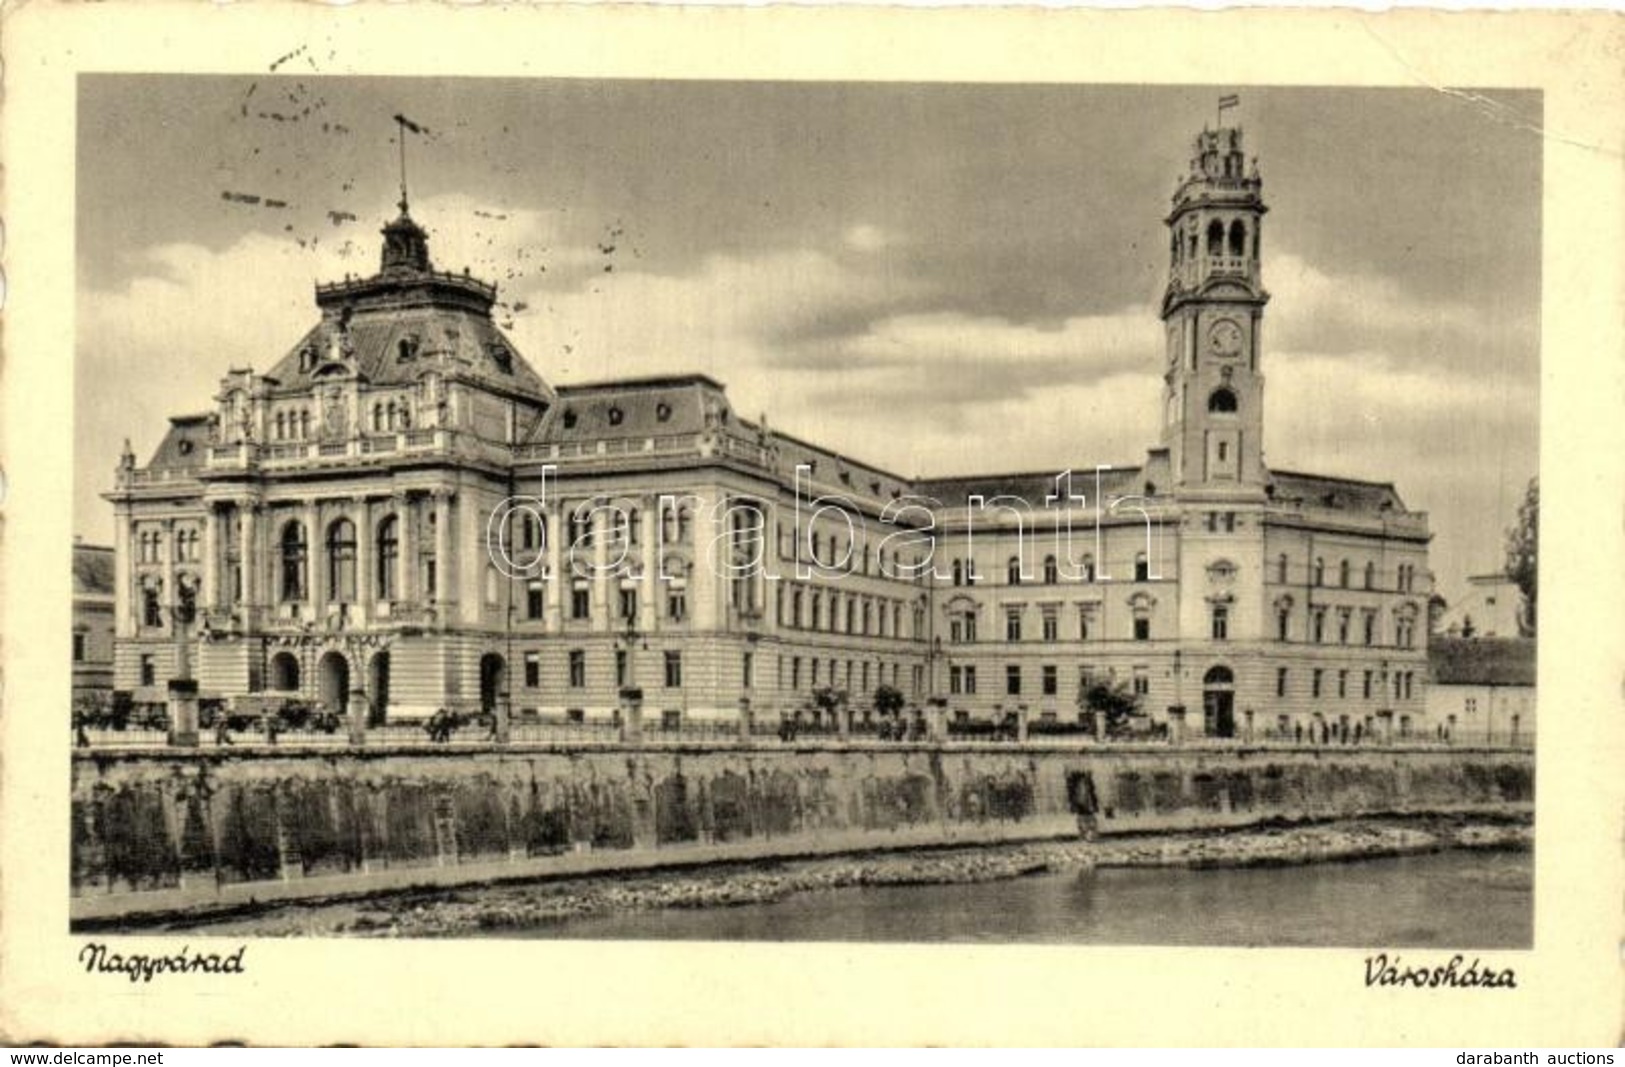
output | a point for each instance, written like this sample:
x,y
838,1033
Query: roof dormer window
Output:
x,y
569,419
616,416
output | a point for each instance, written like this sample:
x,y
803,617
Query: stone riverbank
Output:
x,y
535,904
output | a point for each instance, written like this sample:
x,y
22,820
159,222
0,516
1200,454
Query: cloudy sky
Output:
x,y
942,279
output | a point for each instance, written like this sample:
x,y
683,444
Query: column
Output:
x,y
249,556
442,552
650,591
209,587
363,560
602,606
558,578
171,593
406,563
315,586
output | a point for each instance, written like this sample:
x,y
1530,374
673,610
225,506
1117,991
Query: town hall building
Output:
x,y
401,515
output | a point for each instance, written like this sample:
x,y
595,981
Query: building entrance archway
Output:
x,y
285,672
493,680
333,674
1219,703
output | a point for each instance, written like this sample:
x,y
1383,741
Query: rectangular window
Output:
x,y
1370,629
1083,626
629,603
674,670
533,600
149,671
1012,680
1051,681
1367,689
580,603
677,605
1280,681
748,670
970,681
956,680
671,719
1142,629
1283,625
1342,628
1221,622
1012,626
795,672
533,670
1342,684
1314,682
1319,635
1142,681
578,669
1052,626
78,648
620,669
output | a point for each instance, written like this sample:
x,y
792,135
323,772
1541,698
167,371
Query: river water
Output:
x,y
1462,899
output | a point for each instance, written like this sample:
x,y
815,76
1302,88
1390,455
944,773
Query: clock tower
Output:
x,y
1214,395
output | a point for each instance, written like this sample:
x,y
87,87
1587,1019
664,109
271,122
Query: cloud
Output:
x,y
1368,317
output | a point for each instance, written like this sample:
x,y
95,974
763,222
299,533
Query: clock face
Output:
x,y
1225,338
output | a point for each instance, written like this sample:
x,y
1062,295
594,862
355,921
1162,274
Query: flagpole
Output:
x,y
400,135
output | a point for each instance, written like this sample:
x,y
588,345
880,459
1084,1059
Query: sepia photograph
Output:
x,y
625,526
744,510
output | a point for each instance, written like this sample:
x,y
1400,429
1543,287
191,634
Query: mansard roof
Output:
x,y
389,327
1343,494
632,408
186,444
1034,487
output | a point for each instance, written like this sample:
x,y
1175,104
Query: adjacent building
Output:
x,y
94,603
402,514
1492,607
1481,689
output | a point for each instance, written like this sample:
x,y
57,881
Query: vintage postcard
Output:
x,y
679,526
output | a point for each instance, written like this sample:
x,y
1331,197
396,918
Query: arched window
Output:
x,y
281,426
1215,238
1052,572
1222,400
1280,569
1088,568
304,424
1343,574
293,561
341,562
1370,575
817,612
389,418
1173,246
1142,568
795,609
1013,570
388,558
1320,571
152,603
1190,246
1238,238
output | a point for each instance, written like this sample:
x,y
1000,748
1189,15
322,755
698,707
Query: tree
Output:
x,y
1523,550
1112,699
1437,606
888,700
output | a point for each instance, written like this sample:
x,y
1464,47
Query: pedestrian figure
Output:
x,y
222,730
80,737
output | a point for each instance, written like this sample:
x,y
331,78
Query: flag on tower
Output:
x,y
409,124
1232,100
